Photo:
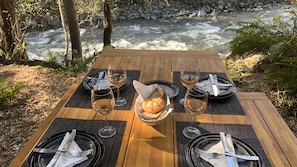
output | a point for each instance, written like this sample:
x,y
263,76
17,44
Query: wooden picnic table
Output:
x,y
143,145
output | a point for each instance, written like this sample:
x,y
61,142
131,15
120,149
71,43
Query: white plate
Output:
x,y
205,141
225,91
170,89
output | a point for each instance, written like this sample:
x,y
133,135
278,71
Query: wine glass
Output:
x,y
195,103
103,103
117,76
189,76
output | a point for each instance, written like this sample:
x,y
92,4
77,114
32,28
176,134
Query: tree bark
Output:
x,y
65,31
73,29
107,23
11,39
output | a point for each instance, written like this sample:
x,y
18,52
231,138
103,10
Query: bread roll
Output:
x,y
155,103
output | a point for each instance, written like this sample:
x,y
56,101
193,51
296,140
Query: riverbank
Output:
x,y
172,11
192,9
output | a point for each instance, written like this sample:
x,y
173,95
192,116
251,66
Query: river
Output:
x,y
178,34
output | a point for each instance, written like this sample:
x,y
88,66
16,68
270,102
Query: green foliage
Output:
x,y
76,65
67,65
41,13
36,13
278,41
281,66
89,12
253,37
8,91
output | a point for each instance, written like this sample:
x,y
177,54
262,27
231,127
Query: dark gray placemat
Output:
x,y
227,106
245,133
111,145
82,97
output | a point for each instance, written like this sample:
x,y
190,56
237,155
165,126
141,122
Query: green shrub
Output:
x,y
76,65
8,91
278,42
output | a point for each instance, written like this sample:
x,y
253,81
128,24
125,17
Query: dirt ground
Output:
x,y
20,117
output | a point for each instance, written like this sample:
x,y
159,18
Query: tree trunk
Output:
x,y
107,23
11,39
167,3
73,28
65,32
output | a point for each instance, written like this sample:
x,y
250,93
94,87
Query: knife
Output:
x,y
214,81
230,148
228,158
100,78
213,155
65,148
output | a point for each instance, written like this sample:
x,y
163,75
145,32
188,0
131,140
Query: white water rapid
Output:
x,y
184,34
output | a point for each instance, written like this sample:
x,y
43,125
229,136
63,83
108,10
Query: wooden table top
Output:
x,y
144,145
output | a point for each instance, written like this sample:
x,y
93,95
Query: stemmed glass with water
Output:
x,y
189,76
103,103
117,76
195,103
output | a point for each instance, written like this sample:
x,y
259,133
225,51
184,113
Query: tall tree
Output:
x,y
64,30
12,45
107,22
73,28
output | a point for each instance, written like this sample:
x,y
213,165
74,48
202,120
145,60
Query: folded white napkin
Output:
x,y
67,159
214,81
102,83
205,85
143,90
219,148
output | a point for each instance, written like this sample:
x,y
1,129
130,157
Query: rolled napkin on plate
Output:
x,y
219,156
66,159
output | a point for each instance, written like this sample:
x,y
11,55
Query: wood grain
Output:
x,y
276,137
144,145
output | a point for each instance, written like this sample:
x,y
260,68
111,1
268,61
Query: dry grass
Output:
x,y
20,117
248,79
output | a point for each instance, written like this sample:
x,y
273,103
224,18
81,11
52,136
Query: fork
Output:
x,y
214,155
75,154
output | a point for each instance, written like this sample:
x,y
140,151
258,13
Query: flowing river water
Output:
x,y
179,34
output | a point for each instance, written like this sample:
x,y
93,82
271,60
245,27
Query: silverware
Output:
x,y
228,158
75,154
214,82
101,76
65,147
214,155
223,85
230,149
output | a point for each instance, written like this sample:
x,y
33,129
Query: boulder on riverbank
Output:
x,y
194,8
